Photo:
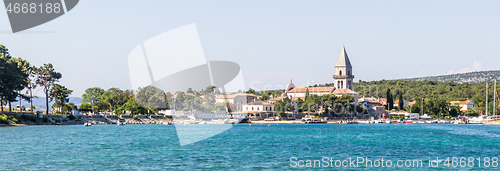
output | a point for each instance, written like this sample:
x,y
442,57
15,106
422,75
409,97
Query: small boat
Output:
x,y
121,122
87,124
408,121
388,121
475,120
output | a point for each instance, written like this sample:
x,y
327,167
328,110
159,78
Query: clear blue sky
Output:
x,y
272,40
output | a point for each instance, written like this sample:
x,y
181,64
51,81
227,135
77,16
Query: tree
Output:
x,y
31,85
401,101
133,107
92,95
252,91
454,110
101,106
60,94
116,98
390,100
85,107
307,93
12,77
24,69
210,89
151,98
46,77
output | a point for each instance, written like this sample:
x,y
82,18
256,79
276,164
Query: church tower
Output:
x,y
343,72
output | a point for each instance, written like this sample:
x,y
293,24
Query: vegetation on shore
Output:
x,y
147,100
18,75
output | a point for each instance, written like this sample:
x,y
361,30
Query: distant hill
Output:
x,y
39,103
470,77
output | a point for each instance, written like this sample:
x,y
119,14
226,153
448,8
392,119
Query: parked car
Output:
x,y
272,119
309,118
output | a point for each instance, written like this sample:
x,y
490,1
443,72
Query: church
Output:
x,y
343,72
343,81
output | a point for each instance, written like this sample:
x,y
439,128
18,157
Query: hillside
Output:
x,y
470,77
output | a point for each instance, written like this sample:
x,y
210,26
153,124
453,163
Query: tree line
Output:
x,y
148,100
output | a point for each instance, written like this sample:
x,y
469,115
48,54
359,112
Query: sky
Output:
x,y
272,40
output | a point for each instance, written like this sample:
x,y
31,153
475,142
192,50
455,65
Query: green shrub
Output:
x,y
28,118
71,117
13,119
136,117
3,119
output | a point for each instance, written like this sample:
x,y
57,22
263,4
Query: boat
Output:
x,y
121,122
388,121
87,124
409,121
480,119
475,120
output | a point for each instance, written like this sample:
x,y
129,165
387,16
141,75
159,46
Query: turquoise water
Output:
x,y
156,147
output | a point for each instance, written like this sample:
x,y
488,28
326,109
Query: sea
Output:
x,y
252,147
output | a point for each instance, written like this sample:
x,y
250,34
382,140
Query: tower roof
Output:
x,y
343,59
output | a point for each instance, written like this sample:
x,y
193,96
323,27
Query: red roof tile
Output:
x,y
344,91
313,90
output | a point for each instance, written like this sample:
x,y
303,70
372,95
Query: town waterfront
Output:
x,y
156,147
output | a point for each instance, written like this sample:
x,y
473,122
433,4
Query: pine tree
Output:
x,y
390,100
401,102
307,93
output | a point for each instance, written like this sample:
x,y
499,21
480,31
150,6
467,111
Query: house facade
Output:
x,y
464,105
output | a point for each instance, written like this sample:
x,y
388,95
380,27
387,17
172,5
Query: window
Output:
x,y
340,72
252,108
341,84
257,108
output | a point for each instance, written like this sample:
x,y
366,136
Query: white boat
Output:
x,y
388,121
87,124
475,120
121,122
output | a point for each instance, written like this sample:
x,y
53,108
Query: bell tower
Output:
x,y
343,72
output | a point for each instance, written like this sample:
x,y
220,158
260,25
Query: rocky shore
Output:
x,y
25,119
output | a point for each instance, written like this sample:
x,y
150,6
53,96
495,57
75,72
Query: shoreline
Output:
x,y
291,122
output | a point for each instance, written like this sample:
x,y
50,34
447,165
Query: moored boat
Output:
x,y
121,122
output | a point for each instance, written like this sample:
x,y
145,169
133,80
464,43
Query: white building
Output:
x,y
369,104
238,98
464,105
258,106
